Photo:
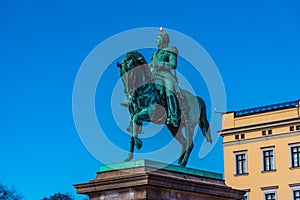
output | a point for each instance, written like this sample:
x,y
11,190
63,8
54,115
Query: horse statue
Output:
x,y
147,104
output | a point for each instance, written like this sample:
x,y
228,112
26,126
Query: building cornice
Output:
x,y
262,138
259,126
270,187
268,108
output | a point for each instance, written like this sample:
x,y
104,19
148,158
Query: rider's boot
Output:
x,y
172,110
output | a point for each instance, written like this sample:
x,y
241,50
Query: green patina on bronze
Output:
x,y
153,95
164,61
159,165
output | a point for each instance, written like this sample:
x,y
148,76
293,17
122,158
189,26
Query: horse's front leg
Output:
x,y
138,120
131,150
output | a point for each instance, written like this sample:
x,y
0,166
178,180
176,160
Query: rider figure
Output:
x,y
164,61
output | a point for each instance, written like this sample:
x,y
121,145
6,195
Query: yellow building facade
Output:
x,y
262,151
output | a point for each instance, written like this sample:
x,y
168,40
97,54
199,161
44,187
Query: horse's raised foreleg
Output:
x,y
134,141
137,122
136,129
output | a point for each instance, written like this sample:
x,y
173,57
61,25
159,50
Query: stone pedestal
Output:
x,y
144,179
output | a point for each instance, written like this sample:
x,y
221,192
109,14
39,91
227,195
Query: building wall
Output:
x,y
251,126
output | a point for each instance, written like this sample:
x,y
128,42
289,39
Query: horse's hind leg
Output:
x,y
189,129
177,134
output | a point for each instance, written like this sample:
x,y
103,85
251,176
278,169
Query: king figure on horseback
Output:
x,y
164,62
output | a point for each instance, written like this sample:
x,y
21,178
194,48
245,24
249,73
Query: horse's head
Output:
x,y
131,60
132,71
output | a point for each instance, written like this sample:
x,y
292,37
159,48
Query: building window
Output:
x,y
270,132
245,197
237,137
295,191
270,196
242,136
268,159
270,192
292,128
298,127
240,163
295,155
296,195
264,132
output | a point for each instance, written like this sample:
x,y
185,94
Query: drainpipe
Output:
x,y
298,108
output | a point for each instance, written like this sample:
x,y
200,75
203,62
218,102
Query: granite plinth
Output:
x,y
144,179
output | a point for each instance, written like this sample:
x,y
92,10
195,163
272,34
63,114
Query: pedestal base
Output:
x,y
146,179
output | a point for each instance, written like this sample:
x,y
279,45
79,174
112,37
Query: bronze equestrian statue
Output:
x,y
149,89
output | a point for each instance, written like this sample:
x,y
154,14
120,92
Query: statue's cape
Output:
x,y
172,49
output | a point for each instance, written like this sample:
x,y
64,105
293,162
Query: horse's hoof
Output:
x,y
138,143
124,103
183,164
180,159
129,129
208,138
127,159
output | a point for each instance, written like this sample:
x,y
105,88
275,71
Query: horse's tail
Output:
x,y
203,122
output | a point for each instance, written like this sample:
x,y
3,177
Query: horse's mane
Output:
x,y
137,57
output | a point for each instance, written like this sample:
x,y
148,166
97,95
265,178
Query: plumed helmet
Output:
x,y
165,37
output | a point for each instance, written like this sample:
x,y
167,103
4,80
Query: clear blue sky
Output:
x,y
255,45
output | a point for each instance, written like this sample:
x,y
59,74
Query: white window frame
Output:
x,y
269,191
263,149
247,196
235,162
294,188
291,158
